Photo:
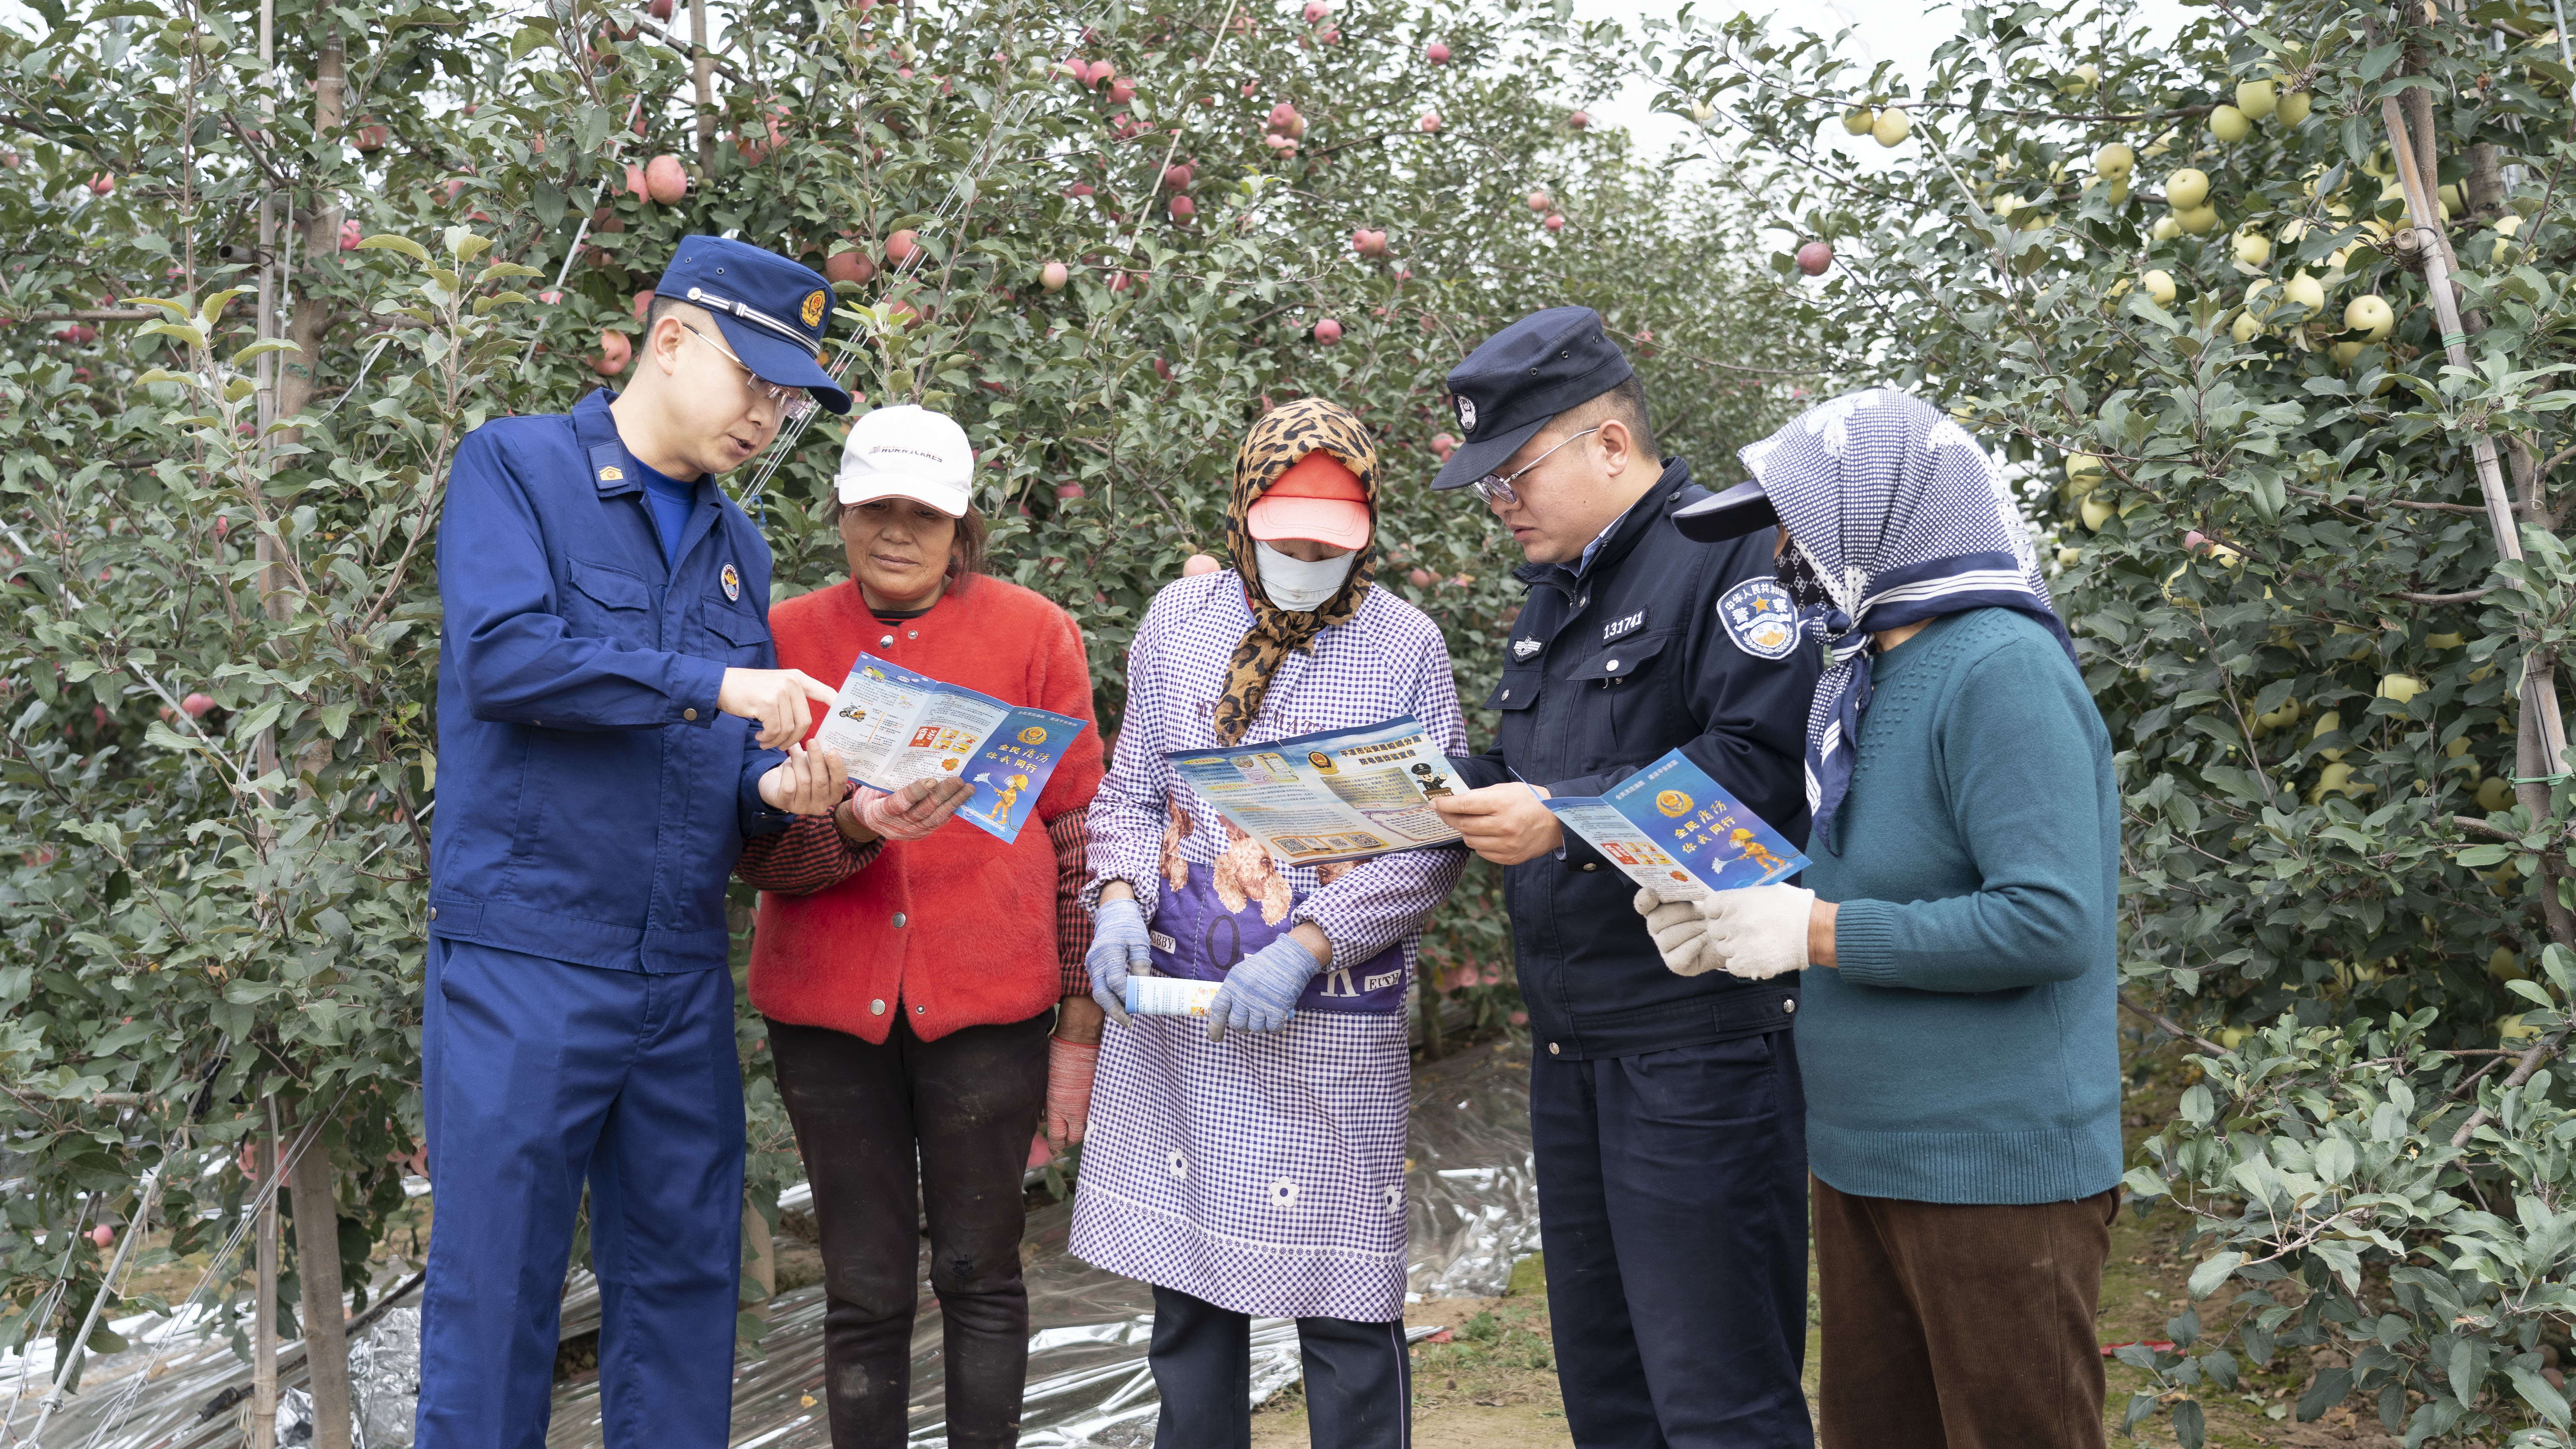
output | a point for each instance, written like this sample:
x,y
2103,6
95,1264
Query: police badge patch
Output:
x,y
733,584
1524,648
1759,618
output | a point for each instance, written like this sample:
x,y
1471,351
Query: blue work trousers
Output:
x,y
1672,1191
537,1076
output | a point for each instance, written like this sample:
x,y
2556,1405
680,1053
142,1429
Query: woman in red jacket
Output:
x,y
910,971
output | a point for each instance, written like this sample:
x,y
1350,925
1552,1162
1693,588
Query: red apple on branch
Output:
x,y
1328,331
1183,209
614,353
1429,125
1437,52
1053,276
1556,221
197,704
1815,257
849,266
666,179
902,247
1578,121
1540,201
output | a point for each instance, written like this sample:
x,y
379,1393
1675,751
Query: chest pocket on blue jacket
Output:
x,y
1518,690
609,603
731,633
1624,686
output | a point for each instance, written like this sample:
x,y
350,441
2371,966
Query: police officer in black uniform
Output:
x,y
1666,1111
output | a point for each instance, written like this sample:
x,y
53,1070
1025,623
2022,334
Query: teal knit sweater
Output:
x,y
1964,1049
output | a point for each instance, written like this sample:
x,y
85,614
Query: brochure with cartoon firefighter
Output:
x,y
1669,828
1339,795
894,727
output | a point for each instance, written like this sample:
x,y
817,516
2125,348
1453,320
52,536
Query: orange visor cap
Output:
x,y
1318,498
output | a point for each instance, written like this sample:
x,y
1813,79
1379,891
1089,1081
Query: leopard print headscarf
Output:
x,y
1282,436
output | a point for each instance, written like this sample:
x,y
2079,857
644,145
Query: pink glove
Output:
x,y
879,813
1068,1104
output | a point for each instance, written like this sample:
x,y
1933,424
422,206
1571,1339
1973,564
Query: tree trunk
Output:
x,y
317,1272
312,319
705,65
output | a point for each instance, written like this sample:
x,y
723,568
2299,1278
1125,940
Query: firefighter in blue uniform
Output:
x,y
1666,1112
611,724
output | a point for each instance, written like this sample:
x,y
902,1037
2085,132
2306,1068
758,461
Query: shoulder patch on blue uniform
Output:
x,y
1759,618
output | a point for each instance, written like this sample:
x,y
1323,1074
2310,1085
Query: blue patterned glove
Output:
x,y
1261,992
1118,946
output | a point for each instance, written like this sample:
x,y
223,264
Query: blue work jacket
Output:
x,y
1657,643
591,799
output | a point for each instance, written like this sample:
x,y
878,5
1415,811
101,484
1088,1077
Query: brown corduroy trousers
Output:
x,y
1959,1326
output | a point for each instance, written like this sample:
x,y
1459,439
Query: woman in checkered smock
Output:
x,y
1262,1174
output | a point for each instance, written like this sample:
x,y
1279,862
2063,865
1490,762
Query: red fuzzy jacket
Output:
x,y
958,929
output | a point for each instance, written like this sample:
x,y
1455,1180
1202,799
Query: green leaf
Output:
x,y
2207,1278
2537,1392
261,348
392,241
2328,1390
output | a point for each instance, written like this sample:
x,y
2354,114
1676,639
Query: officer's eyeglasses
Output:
x,y
792,402
1496,488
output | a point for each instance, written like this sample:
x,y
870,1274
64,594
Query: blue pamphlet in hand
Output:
x,y
1669,828
894,727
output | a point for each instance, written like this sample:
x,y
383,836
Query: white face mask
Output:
x,y
1296,585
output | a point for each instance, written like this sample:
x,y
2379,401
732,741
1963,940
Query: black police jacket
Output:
x,y
1606,670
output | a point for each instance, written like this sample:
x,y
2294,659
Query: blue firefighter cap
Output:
x,y
1522,376
773,311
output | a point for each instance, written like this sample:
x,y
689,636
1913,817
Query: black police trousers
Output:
x,y
1672,1192
1359,1378
968,1103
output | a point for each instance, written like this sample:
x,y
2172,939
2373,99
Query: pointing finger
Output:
x,y
815,689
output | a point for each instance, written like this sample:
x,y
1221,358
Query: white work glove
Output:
x,y
1680,935
1759,931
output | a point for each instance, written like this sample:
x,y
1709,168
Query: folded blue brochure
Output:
x,y
893,726
1671,829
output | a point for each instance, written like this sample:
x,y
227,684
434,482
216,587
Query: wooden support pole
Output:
x,y
262,1432
2541,730
317,1276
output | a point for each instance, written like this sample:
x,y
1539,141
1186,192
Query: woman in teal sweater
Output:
x,y
1957,1029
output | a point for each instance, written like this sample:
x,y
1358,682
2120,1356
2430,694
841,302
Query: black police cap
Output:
x,y
1522,376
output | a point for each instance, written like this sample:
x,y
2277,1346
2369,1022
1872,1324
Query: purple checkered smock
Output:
x,y
1264,1173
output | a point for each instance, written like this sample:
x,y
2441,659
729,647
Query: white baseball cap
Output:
x,y
907,452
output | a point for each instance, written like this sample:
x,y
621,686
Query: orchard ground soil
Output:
x,y
1492,1384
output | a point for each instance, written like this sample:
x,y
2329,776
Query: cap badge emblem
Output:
x,y
813,309
611,475
732,584
1467,413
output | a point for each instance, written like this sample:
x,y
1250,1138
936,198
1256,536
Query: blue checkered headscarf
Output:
x,y
1902,518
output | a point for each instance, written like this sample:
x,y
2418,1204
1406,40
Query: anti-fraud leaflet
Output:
x,y
1339,795
1669,828
893,727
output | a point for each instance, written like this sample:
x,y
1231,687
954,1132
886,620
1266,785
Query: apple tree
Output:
x,y
270,264
2271,315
